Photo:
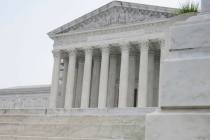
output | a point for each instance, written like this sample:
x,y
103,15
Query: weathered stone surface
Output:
x,y
185,71
185,83
183,125
193,33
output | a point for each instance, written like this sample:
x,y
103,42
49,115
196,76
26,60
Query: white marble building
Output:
x,y
122,72
110,57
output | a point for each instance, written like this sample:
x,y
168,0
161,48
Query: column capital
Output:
x,y
70,51
56,53
161,42
105,49
88,50
125,47
144,45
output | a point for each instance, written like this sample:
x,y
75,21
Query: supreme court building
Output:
x,y
110,57
125,71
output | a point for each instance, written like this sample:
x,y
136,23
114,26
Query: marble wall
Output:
x,y
27,97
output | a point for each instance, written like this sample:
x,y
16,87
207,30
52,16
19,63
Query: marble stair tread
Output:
x,y
111,127
89,131
11,137
70,120
78,124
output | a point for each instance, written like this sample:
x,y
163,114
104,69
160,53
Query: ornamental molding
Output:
x,y
114,29
138,42
135,32
146,29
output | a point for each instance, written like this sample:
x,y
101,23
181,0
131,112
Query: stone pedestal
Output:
x,y
184,84
177,125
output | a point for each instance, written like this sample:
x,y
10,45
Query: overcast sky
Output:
x,y
25,49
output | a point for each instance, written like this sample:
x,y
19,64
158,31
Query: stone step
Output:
x,y
73,120
11,137
111,127
78,124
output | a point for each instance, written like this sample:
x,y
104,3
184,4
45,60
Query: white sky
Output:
x,y
25,49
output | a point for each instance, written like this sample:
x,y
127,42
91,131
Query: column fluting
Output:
x,y
64,80
103,87
124,71
86,79
55,79
143,74
70,79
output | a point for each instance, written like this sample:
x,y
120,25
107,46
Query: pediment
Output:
x,y
113,14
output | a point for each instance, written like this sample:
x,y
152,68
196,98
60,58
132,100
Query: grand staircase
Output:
x,y
75,124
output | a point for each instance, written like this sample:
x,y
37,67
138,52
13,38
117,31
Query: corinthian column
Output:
x,y
124,70
86,79
55,79
103,78
143,75
70,80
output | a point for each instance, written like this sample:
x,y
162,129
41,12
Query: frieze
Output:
x,y
147,28
117,16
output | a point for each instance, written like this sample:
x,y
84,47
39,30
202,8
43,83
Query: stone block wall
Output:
x,y
25,97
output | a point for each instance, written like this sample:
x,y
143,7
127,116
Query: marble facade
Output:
x,y
118,68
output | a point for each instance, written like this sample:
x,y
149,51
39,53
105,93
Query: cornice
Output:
x,y
112,29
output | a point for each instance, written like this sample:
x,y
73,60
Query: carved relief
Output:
x,y
117,16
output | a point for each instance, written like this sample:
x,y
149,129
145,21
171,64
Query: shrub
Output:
x,y
188,8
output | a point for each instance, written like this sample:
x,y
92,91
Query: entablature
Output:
x,y
112,35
